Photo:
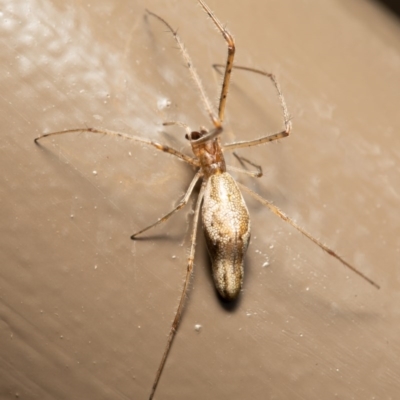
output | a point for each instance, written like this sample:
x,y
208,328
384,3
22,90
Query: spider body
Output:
x,y
225,217
226,226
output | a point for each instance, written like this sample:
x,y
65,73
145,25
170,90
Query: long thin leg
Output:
x,y
254,174
256,142
286,117
243,160
158,146
178,313
193,72
280,214
181,204
179,123
229,62
271,76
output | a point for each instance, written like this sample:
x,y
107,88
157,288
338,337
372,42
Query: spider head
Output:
x,y
195,135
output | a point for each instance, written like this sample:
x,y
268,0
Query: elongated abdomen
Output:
x,y
226,226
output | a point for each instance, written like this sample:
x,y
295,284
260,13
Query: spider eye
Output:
x,y
194,135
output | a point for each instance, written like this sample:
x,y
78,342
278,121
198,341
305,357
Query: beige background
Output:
x,y
84,311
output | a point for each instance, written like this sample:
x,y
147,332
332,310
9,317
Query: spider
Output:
x,y
225,217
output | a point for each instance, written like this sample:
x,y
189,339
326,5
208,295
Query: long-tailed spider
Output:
x,y
225,217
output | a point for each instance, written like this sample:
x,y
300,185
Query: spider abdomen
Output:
x,y
226,225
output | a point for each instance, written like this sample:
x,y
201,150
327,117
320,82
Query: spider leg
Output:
x,y
268,138
178,313
192,70
181,204
256,142
283,216
254,174
158,146
229,61
257,174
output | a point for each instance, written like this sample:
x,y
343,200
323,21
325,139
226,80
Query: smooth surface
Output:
x,y
84,311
